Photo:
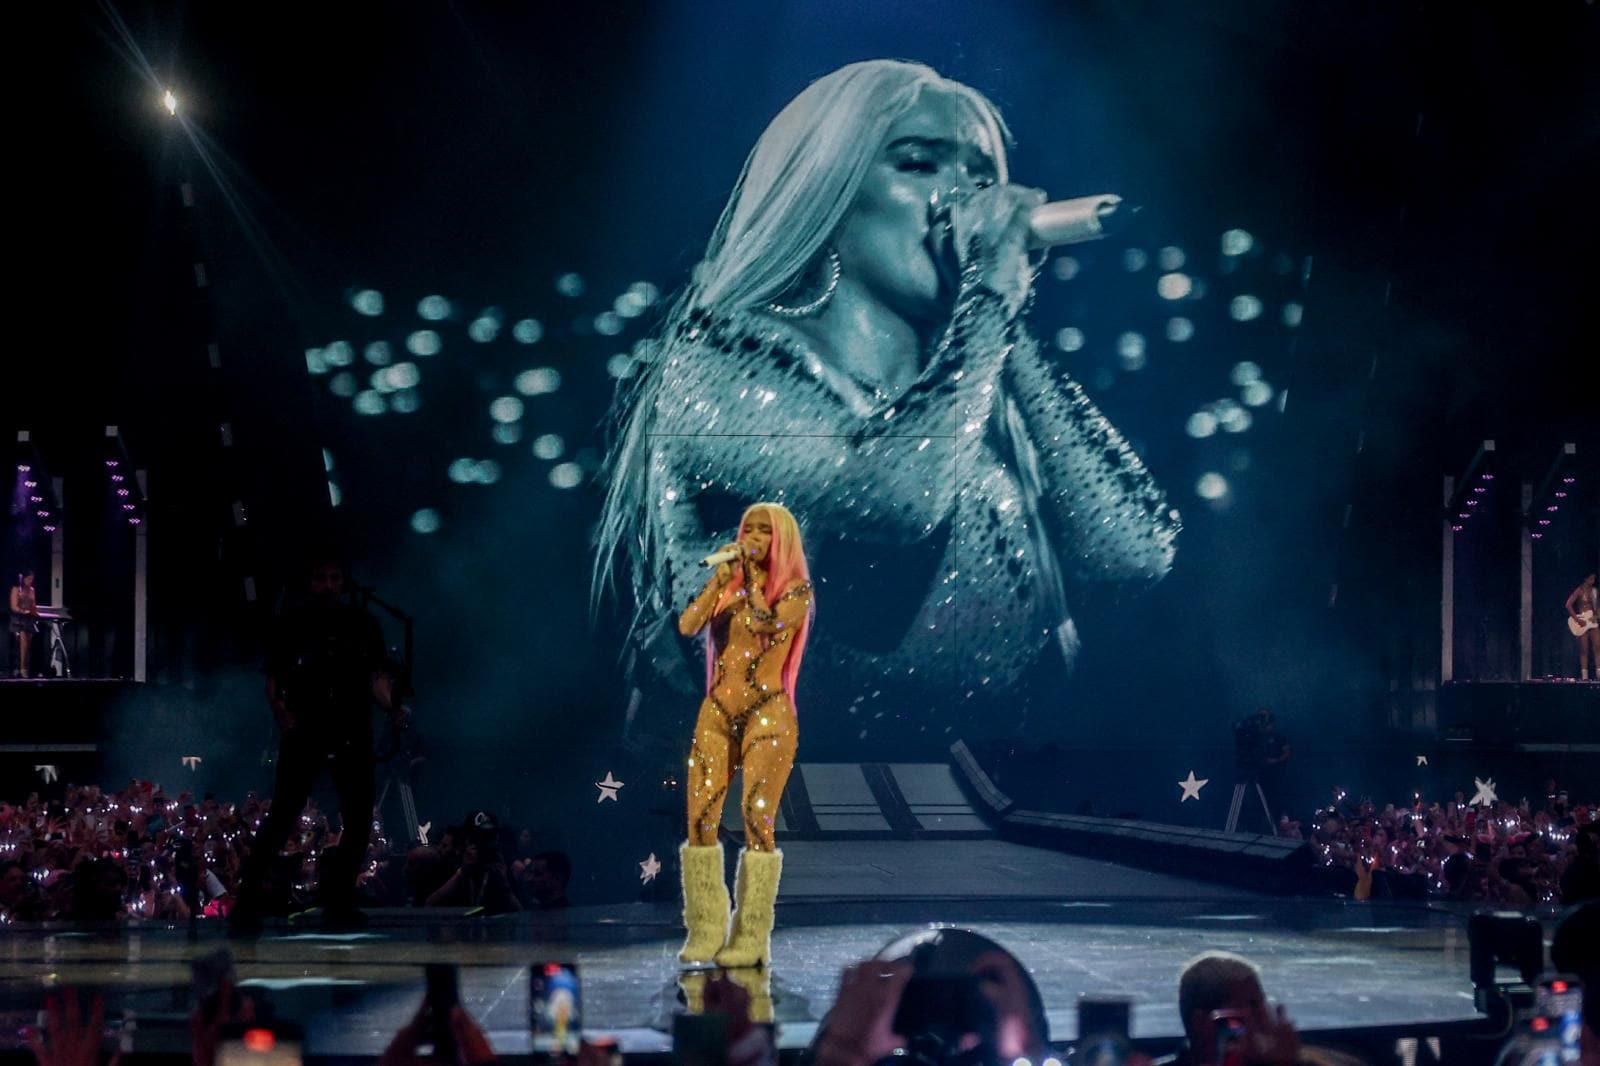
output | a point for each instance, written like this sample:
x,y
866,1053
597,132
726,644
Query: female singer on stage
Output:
x,y
853,345
756,613
24,619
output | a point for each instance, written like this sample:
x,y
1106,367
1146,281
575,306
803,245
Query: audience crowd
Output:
x,y
141,852
1507,854
92,855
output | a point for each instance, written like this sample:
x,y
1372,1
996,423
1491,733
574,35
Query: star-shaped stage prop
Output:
x,y
192,761
648,869
47,771
1191,787
422,832
608,788
1422,760
1485,796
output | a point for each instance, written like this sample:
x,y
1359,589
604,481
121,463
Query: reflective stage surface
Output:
x,y
1080,926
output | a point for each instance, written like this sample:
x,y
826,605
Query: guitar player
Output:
x,y
1582,607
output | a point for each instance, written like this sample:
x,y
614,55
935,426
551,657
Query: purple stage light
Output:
x,y
1479,488
1561,495
1456,529
23,468
1553,507
1568,480
44,514
1544,521
1472,503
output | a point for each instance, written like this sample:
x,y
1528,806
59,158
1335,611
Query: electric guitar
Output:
x,y
1582,624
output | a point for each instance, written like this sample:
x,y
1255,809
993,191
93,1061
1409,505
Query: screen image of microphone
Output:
x,y
1086,218
718,558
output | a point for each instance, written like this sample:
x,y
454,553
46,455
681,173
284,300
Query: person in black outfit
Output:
x,y
325,665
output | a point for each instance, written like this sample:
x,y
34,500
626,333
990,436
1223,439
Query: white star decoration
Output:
x,y
47,771
1422,760
422,832
1191,787
192,761
1485,794
648,869
608,788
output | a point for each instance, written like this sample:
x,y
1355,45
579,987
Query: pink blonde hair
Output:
x,y
786,567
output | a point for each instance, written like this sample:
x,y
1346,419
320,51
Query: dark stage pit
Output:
x,y
1081,926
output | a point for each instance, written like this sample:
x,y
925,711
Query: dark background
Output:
x,y
1418,178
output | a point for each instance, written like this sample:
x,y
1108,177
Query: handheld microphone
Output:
x,y
718,558
1086,218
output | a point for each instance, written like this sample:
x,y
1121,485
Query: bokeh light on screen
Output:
x,y
335,494
433,308
486,327
343,384
1244,372
1231,416
370,402
403,376
1237,242
467,471
566,475
630,304
1135,260
1130,351
405,402
1211,486
1201,424
367,302
425,521
1069,338
548,446
1170,258
378,353
1292,314
505,409
620,365
570,285
1256,394
1174,286
527,331
424,342
315,363
506,432
1066,268
608,323
339,353
1244,307
327,460
538,381
1179,329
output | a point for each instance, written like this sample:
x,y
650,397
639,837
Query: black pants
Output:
x,y
302,756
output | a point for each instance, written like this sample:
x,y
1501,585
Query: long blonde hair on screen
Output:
x,y
796,187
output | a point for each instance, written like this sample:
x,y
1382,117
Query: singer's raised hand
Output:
x,y
725,571
990,233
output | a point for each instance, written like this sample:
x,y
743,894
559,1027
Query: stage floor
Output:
x,y
1081,926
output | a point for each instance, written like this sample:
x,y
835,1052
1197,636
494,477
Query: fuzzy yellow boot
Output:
x,y
705,902
756,886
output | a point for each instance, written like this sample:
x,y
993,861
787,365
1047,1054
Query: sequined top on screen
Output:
x,y
992,448
752,644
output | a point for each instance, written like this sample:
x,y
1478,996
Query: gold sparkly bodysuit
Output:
x,y
747,719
